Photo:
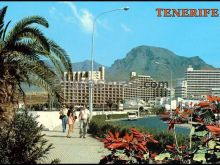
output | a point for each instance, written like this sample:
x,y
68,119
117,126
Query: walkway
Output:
x,y
74,150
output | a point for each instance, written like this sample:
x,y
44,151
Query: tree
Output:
x,y
110,104
24,51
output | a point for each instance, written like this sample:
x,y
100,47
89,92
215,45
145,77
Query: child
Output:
x,y
70,122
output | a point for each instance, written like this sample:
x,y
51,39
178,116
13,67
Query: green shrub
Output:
x,y
157,111
22,142
99,127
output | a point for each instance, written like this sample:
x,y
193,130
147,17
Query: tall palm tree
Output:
x,y
23,52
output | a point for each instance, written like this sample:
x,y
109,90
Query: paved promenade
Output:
x,y
74,150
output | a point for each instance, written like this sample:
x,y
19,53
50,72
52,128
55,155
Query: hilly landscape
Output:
x,y
142,60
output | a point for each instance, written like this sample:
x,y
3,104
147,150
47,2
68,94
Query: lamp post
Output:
x,y
92,50
158,63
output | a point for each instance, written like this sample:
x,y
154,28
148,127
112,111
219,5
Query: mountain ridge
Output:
x,y
141,59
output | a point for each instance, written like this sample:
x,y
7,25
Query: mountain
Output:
x,y
142,60
86,66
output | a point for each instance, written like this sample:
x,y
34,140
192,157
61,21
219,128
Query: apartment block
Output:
x,y
145,88
76,88
198,83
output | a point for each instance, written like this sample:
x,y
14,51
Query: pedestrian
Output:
x,y
63,116
84,119
71,120
71,109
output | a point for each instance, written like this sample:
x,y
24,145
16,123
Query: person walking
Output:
x,y
84,119
63,116
71,120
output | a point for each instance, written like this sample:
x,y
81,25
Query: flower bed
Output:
x,y
99,128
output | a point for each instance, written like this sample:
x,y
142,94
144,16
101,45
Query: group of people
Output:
x,y
68,117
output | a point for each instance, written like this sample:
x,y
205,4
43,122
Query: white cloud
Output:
x,y
125,28
83,16
87,20
57,15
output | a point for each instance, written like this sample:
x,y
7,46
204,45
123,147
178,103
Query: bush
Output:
x,y
99,127
22,142
158,111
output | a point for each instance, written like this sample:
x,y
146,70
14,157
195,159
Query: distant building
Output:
x,y
145,88
181,87
77,93
76,88
198,83
215,91
85,75
165,102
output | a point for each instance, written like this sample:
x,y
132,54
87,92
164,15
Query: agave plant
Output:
x,y
23,52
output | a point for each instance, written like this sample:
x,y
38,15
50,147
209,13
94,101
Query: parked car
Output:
x,y
132,116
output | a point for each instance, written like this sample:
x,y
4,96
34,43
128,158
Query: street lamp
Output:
x,y
92,50
158,63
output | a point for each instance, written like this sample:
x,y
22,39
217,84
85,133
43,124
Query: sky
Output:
x,y
116,33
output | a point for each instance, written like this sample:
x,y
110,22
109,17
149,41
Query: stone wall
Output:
x,y
50,119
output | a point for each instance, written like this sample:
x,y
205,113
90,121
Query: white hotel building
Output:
x,y
198,83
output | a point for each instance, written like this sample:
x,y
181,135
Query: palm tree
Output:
x,y
23,52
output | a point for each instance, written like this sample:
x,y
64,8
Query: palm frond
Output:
x,y
24,47
2,14
19,48
34,34
49,86
57,63
36,67
25,23
61,54
5,29
31,33
30,20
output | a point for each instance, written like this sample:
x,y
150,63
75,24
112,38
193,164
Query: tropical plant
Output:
x,y
132,148
24,51
98,127
204,135
22,141
158,111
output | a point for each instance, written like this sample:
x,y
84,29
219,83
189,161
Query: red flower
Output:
x,y
214,129
171,125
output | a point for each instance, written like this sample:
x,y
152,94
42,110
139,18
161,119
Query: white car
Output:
x,y
132,116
